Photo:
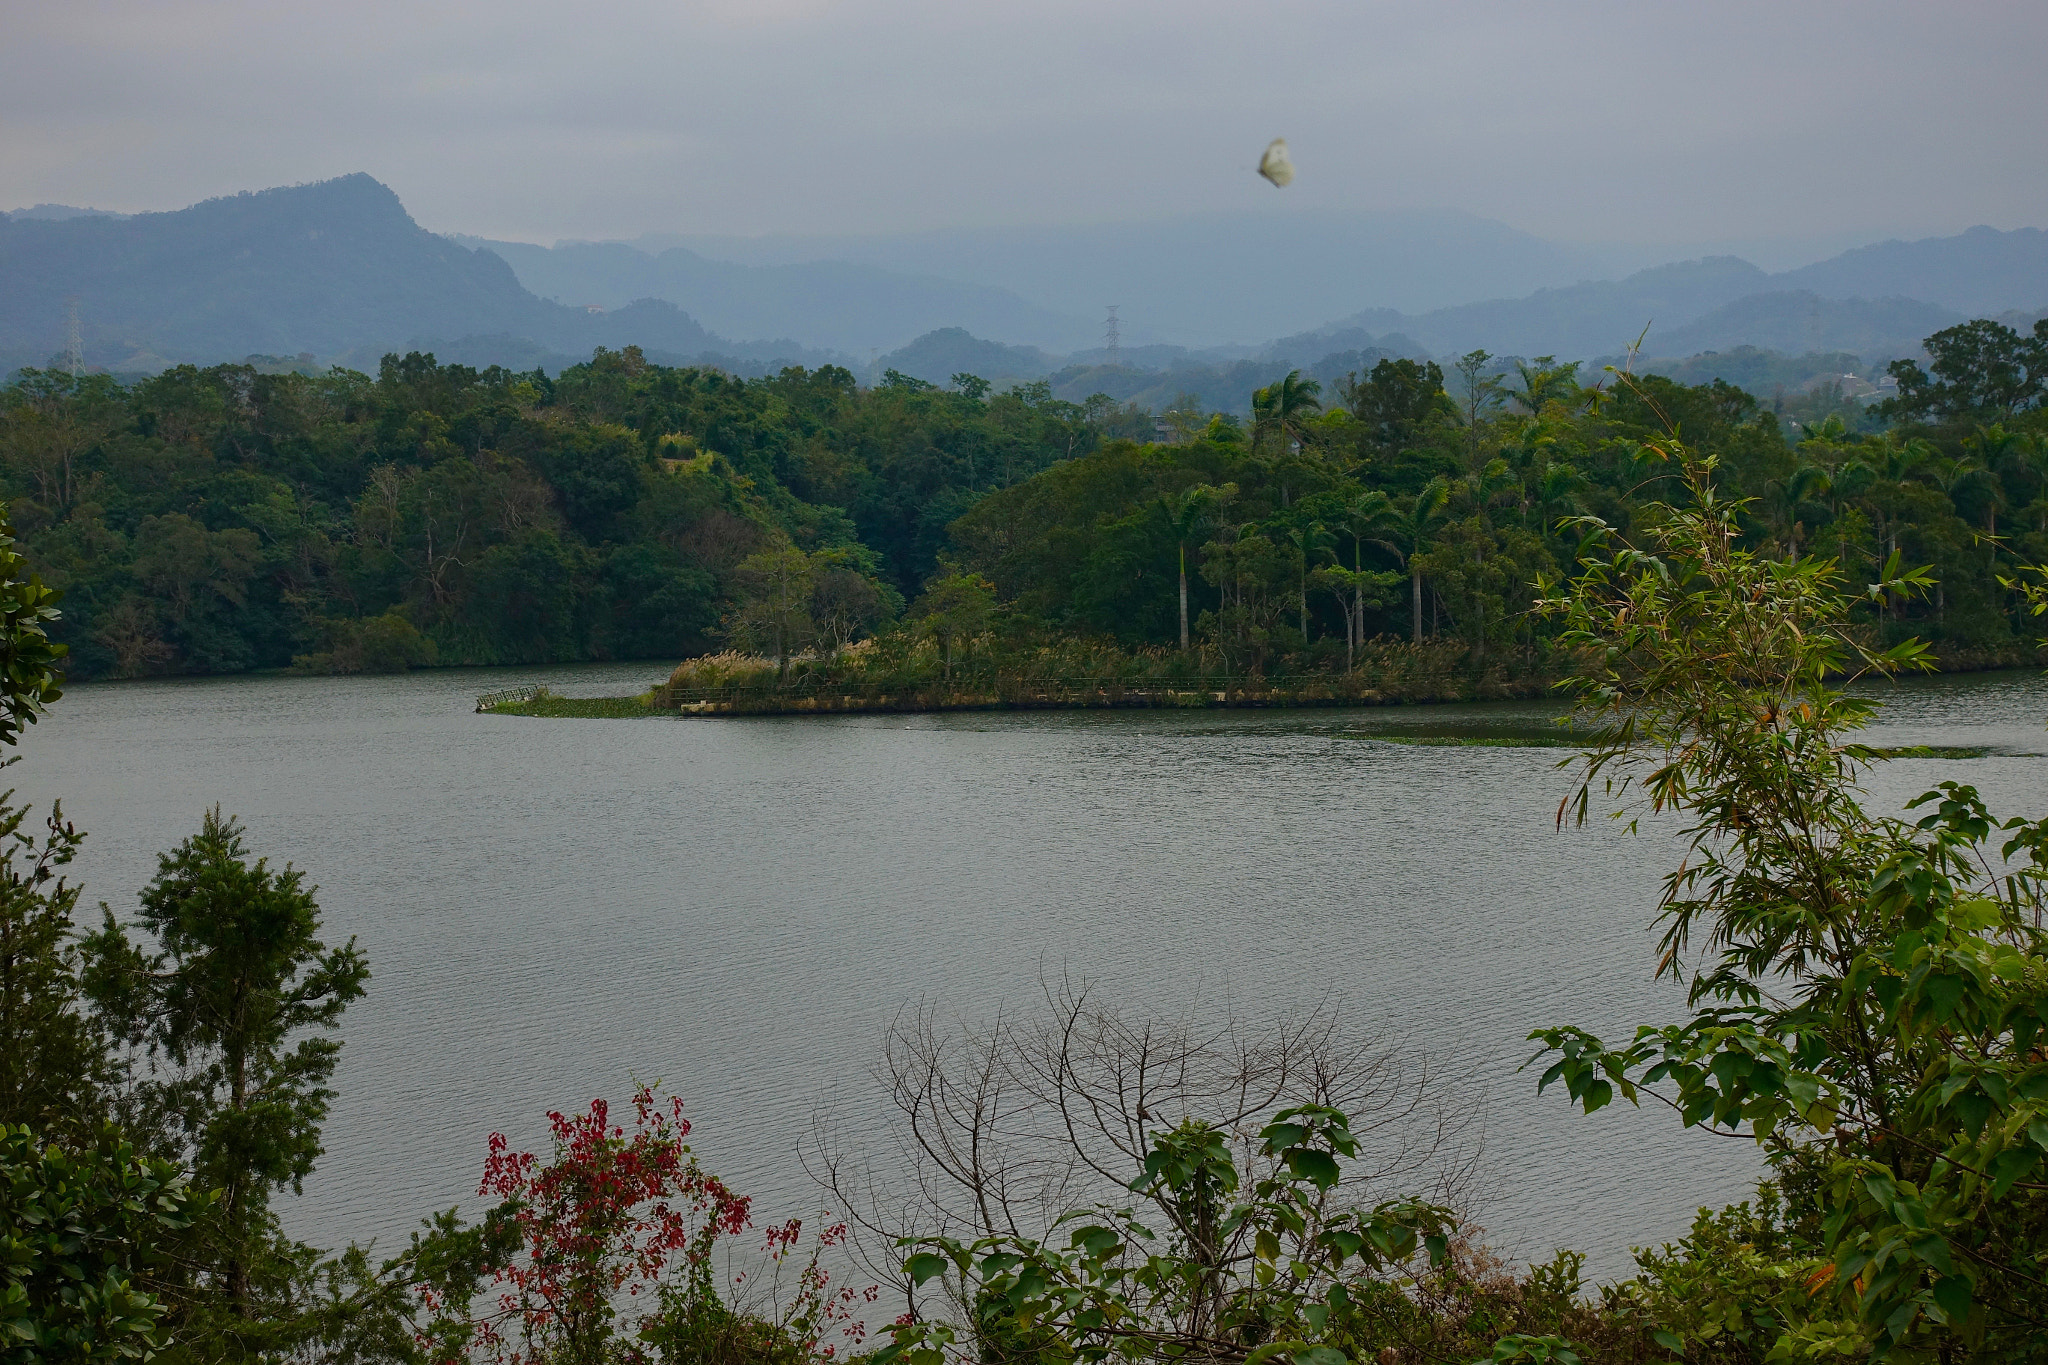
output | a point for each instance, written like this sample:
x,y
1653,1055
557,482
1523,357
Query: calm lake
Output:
x,y
738,907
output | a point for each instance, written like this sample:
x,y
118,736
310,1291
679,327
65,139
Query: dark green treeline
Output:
x,y
223,519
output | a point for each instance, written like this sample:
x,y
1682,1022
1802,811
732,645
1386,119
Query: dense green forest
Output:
x,y
223,519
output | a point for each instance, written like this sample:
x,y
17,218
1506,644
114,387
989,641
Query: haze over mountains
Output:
x,y
1219,280
339,273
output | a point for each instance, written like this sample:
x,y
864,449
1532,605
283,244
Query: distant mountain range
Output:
x,y
838,305
1875,300
339,273
337,269
1193,281
1444,278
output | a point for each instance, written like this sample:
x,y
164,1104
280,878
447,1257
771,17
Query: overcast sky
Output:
x,y
1699,122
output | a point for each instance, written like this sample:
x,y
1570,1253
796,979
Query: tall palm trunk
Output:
x,y
1415,583
1354,625
1183,598
1350,641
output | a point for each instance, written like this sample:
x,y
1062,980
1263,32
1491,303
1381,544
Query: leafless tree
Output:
x,y
1001,1125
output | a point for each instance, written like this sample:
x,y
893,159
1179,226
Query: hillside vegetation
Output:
x,y
220,520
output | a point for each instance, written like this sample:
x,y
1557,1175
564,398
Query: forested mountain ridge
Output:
x,y
329,269
224,519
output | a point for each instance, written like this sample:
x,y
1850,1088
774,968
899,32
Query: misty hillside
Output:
x,y
335,269
52,213
939,355
1195,282
836,304
1214,279
1184,277
1976,272
1799,321
1878,300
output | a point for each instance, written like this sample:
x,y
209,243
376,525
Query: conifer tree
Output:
x,y
227,1000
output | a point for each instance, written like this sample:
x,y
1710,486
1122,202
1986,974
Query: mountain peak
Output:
x,y
358,201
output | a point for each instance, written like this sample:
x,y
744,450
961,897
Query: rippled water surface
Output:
x,y
738,907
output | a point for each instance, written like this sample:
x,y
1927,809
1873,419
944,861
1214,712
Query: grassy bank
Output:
x,y
547,704
900,674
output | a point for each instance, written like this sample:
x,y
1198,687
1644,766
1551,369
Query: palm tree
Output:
x,y
1527,457
1786,496
2029,454
1368,513
1557,493
1544,380
1894,462
1283,409
1826,439
1410,530
1498,482
1899,461
1956,477
1998,449
1848,482
1310,542
1186,513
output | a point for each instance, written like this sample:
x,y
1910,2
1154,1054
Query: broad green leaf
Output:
x,y
1319,1168
924,1265
1321,1355
1952,1296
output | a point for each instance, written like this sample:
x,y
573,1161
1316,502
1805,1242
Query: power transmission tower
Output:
x,y
1112,350
74,342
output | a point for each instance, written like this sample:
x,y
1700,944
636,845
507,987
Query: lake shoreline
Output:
x,y
1314,692
1030,697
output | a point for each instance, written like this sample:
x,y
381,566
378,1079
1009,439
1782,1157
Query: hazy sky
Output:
x,y
1586,121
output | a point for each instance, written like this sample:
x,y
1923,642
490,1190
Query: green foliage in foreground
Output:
x,y
224,998
1869,994
81,1227
1255,1273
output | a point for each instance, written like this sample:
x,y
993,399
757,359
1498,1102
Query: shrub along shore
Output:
x,y
900,673
893,674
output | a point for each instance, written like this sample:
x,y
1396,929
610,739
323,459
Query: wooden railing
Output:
x,y
491,701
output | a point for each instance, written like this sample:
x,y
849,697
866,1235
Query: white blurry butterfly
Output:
x,y
1275,166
